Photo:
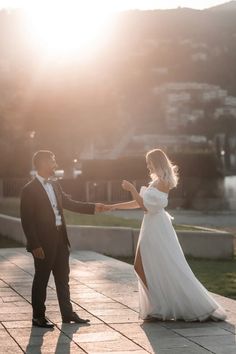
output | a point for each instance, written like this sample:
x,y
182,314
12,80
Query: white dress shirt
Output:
x,y
51,196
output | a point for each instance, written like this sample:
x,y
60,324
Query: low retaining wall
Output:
x,y
122,241
11,227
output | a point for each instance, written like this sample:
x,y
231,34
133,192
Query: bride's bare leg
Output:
x,y
138,266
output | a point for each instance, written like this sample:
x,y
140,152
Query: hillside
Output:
x,y
228,6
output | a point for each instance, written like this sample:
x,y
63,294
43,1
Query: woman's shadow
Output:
x,y
158,338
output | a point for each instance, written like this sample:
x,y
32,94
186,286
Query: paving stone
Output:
x,y
211,341
46,340
4,334
17,324
11,298
14,349
10,309
22,304
189,332
33,332
105,291
75,287
111,312
114,345
182,324
97,337
225,349
7,341
15,316
9,278
227,339
122,352
27,281
89,295
188,350
136,330
104,305
71,328
61,348
83,301
157,338
228,327
131,318
3,284
94,282
7,292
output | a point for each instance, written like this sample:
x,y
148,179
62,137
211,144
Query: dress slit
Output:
x,y
138,267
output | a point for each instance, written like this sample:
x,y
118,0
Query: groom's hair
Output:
x,y
40,156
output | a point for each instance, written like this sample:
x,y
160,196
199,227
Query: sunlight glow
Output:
x,y
64,28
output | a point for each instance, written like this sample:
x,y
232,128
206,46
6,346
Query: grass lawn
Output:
x,y
218,276
10,206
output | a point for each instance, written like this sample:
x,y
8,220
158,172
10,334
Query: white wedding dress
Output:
x,y
173,292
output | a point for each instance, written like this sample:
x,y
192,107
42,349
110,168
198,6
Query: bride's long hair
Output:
x,y
163,168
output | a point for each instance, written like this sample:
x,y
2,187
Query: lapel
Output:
x,y
43,194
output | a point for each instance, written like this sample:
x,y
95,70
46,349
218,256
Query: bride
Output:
x,y
168,289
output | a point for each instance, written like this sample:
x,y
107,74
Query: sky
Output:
x,y
119,5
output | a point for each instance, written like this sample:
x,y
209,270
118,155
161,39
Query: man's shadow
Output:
x,y
36,338
67,330
35,342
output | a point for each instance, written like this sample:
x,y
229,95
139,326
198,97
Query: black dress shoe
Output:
x,y
74,318
42,322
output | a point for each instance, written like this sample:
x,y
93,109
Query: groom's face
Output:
x,y
51,165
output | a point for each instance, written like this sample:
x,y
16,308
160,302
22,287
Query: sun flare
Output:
x,y
65,28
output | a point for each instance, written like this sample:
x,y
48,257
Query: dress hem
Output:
x,y
200,318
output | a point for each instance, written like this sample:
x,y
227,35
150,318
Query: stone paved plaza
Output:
x,y
105,291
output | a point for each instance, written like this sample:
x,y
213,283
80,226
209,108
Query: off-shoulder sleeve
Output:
x,y
153,200
142,190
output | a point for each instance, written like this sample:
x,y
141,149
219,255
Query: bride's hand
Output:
x,y
127,186
109,207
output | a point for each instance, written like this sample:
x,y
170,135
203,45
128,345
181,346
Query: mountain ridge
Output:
x,y
227,6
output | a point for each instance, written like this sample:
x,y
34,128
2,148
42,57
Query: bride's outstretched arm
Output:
x,y
126,205
136,196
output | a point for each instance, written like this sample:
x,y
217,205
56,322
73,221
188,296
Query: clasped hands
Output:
x,y
100,207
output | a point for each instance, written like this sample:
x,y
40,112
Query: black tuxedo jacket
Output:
x,y
37,215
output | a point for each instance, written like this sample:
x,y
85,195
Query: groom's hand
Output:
x,y
38,253
99,207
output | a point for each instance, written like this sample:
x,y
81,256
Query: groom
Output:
x,y
42,204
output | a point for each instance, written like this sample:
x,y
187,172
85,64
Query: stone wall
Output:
x,y
122,241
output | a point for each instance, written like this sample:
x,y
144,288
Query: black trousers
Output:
x,y
56,261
